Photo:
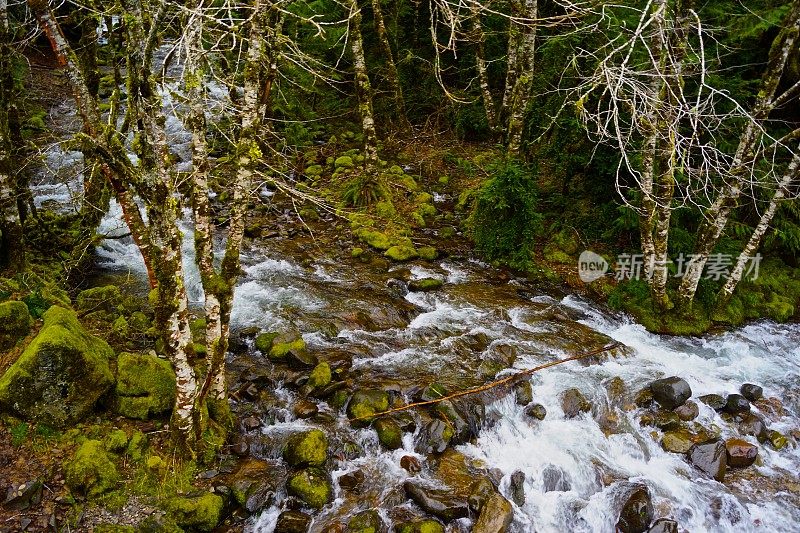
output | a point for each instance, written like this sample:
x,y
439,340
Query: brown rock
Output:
x,y
741,453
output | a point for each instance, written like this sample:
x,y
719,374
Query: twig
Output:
x,y
493,384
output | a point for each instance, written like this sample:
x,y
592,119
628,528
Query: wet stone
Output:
x,y
536,410
736,404
664,525
688,411
555,479
366,522
636,513
573,402
495,517
517,488
714,401
305,409
751,392
434,437
438,502
250,423
678,441
410,464
666,420
710,458
292,522
751,424
741,453
351,480
670,392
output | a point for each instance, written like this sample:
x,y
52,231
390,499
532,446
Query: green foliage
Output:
x,y
363,190
505,219
19,432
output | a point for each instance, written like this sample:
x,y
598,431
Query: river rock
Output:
x,y
311,486
440,503
555,479
536,410
777,439
60,375
366,522
15,323
643,398
753,425
664,525
516,487
495,517
523,392
434,437
714,401
636,512
254,484
410,464
737,404
710,458
307,448
304,408
419,526
688,411
670,392
751,392
351,480
740,453
573,402
389,433
365,403
424,284
677,441
480,493
666,420
292,522
146,386
196,512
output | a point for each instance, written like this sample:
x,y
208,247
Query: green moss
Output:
x,y
395,169
444,180
15,323
426,211
373,238
314,170
420,526
120,329
146,386
264,341
554,254
779,308
408,182
202,512
389,433
401,253
308,448
425,284
365,522
107,298
116,441
311,486
423,198
91,472
427,253
198,329
385,209
344,161
137,446
365,403
280,350
60,375
320,376
356,252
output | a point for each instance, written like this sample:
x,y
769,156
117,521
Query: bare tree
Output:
x,y
363,86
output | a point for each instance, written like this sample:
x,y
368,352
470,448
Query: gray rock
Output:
x,y
517,488
555,479
710,458
440,503
670,392
636,512
573,403
664,525
751,392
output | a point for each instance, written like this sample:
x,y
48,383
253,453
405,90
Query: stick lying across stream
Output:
x,y
492,384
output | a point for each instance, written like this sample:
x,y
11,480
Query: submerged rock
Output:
x,y
670,392
366,522
410,464
255,484
536,411
60,375
292,522
523,393
145,386
710,458
91,471
677,441
434,437
714,401
307,448
740,453
555,479
424,284
311,486
389,433
495,517
441,503
573,403
664,525
15,323
636,512
420,526
751,392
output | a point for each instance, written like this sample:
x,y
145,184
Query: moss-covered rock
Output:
x,y
201,512
320,376
107,298
428,253
420,526
311,486
264,341
365,403
137,446
280,350
307,448
389,433
373,238
366,522
91,471
425,284
145,386
60,375
15,323
116,441
401,252
344,161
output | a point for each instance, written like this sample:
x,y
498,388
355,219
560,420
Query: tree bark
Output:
x,y
363,87
483,75
717,215
521,93
391,67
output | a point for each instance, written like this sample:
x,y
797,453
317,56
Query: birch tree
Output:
x,y
363,86
392,76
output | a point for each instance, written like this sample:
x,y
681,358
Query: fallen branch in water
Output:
x,y
506,380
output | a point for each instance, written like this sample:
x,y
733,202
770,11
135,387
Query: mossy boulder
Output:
x,y
373,238
60,375
137,446
389,433
401,252
145,386
425,284
116,441
107,298
280,351
201,512
365,403
91,472
15,323
420,526
344,161
366,522
308,448
320,376
311,486
264,341
428,253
